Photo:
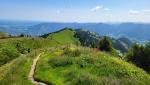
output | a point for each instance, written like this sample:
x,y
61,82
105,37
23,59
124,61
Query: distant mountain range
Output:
x,y
134,31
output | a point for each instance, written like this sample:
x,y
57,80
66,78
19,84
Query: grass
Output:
x,y
64,37
88,68
29,44
10,45
15,71
68,65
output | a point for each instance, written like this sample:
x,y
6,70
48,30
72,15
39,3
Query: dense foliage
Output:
x,y
87,38
105,45
140,56
92,39
8,54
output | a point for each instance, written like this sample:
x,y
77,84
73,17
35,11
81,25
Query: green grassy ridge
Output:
x,y
65,36
90,68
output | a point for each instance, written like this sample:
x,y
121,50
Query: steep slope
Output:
x,y
87,38
83,66
123,44
91,39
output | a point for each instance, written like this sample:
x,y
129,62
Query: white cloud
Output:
x,y
106,9
97,8
134,12
146,10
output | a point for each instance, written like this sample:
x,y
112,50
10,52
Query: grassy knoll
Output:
x,y
84,66
65,36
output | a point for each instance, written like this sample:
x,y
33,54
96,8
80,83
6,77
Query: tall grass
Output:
x,y
16,72
91,67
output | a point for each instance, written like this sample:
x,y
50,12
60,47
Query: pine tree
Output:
x,y
105,45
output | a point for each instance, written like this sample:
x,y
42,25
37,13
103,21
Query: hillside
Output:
x,y
64,36
122,44
12,49
91,39
64,62
73,65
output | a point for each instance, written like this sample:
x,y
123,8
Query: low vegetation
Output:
x,y
16,72
13,48
90,67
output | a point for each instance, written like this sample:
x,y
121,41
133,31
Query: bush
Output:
x,y
140,56
105,45
22,48
85,60
7,54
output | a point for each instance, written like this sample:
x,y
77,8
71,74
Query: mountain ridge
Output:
x,y
116,30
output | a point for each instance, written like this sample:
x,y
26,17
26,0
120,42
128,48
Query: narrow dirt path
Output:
x,y
32,71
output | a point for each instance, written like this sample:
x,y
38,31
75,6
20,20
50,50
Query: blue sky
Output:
x,y
76,10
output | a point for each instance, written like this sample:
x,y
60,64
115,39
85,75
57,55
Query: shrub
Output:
x,y
140,56
7,54
85,60
105,45
22,48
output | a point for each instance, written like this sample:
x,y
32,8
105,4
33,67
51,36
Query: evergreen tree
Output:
x,y
105,45
140,56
